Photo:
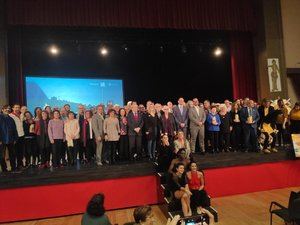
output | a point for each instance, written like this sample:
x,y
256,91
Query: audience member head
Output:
x,y
235,106
122,112
180,135
148,104
16,109
88,114
116,108
158,107
190,104
143,215
213,109
193,166
195,102
179,168
100,109
95,207
142,108
181,154
63,112
6,109
266,103
71,115
81,109
181,101
111,113
28,115
151,109
56,114
227,103
45,115
251,103
48,109
37,112
134,108
206,104
67,107
297,106
165,140
23,109
170,106
223,109
165,109
280,103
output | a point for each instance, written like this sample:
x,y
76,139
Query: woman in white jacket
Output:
x,y
112,135
72,130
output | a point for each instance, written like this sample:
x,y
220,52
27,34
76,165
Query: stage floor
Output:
x,y
82,173
245,209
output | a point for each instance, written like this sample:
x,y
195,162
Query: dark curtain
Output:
x,y
238,15
15,74
242,66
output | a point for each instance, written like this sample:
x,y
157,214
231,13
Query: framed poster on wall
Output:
x,y
274,75
296,144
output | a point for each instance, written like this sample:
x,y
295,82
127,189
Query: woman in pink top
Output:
x,y
56,137
72,130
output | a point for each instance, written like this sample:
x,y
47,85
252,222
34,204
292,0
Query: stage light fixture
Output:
x,y
54,50
103,51
218,52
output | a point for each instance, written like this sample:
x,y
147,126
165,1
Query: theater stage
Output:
x,y
34,194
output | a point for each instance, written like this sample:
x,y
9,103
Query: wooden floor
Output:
x,y
246,209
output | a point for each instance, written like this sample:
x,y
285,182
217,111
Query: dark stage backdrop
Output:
x,y
158,65
235,16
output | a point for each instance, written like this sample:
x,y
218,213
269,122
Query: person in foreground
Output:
x,y
143,215
180,188
195,179
95,212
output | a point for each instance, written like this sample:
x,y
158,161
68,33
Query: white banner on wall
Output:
x,y
274,75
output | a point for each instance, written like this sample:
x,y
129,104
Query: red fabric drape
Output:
x,y
235,15
242,66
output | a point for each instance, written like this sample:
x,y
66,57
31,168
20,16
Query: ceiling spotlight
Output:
x,y
103,51
54,50
218,51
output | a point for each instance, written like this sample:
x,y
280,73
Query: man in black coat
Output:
x,y
135,125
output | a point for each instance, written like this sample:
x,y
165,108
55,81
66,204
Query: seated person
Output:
x,y
144,216
196,185
95,212
181,158
180,188
165,154
181,142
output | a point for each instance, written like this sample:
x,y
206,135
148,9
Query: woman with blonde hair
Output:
x,y
181,142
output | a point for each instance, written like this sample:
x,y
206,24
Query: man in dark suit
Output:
x,y
180,113
265,110
135,125
249,118
8,138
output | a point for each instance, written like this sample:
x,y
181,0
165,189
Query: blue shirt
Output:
x,y
209,119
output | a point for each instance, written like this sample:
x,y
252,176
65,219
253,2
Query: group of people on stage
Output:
x,y
59,137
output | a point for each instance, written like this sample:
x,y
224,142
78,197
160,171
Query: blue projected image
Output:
x,y
56,92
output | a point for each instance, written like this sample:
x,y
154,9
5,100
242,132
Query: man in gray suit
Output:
x,y
97,126
197,118
180,113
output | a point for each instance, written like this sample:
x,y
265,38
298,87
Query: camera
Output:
x,y
201,219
